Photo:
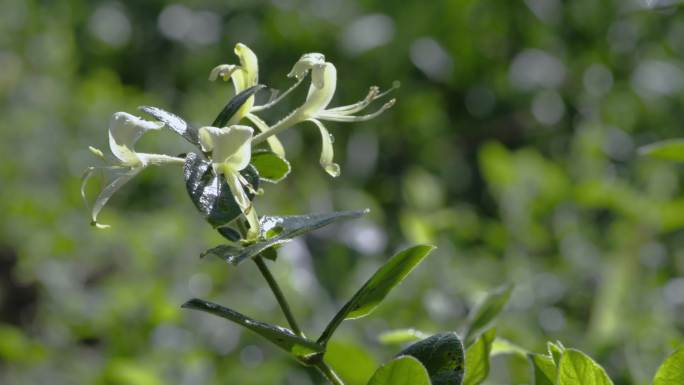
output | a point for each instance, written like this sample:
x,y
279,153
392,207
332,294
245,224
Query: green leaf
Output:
x,y
544,368
173,122
280,336
443,357
503,346
672,149
279,230
671,372
376,288
555,351
480,318
400,336
272,168
576,368
477,359
210,193
351,361
401,371
234,105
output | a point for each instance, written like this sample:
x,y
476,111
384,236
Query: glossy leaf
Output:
x,y
272,168
404,370
376,288
672,149
477,359
486,312
280,336
173,122
544,369
279,230
210,193
234,104
576,368
400,336
671,372
443,357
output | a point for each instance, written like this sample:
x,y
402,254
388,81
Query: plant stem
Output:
x,y
328,373
278,294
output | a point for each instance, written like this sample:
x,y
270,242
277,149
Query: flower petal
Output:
x,y
249,64
229,145
327,152
321,90
305,63
233,181
124,131
106,192
273,141
223,70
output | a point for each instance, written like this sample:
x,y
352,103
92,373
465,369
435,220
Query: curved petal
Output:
x,y
321,90
249,64
304,64
229,145
124,131
225,71
233,181
327,152
106,192
273,142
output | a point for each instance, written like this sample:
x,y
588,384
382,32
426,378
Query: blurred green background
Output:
x,y
512,147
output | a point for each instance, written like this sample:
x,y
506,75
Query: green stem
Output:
x,y
280,297
328,373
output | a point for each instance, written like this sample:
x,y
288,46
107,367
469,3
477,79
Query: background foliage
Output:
x,y
511,147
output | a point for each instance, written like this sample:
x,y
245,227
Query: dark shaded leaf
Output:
x,y
443,357
229,233
404,370
477,359
376,288
271,167
280,336
173,122
279,230
234,104
210,193
486,312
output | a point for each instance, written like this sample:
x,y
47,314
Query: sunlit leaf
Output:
x,y
376,288
503,346
672,149
210,193
400,336
280,336
576,368
477,359
173,122
480,318
555,351
234,105
272,168
404,370
351,361
671,372
443,357
279,230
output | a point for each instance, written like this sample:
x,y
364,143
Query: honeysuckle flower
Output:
x,y
124,131
231,151
244,76
315,108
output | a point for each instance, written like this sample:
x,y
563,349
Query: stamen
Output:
x,y
348,119
277,99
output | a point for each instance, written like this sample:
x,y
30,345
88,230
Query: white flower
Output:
x,y
244,76
231,150
124,131
315,108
